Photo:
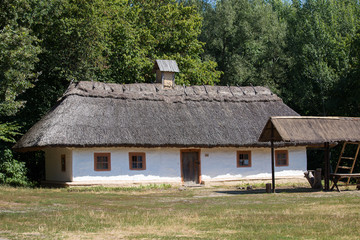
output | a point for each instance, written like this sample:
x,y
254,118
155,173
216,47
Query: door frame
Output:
x,y
181,163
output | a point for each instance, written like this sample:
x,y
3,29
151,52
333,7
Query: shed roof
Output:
x,y
146,115
312,130
167,65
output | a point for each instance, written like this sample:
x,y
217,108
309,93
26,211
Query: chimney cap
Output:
x,y
166,65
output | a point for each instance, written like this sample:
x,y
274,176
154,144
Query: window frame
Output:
x,y
63,163
102,154
276,157
143,155
238,158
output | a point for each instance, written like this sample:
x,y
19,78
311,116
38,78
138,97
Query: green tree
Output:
x,y
318,32
247,39
19,50
74,48
19,53
142,31
345,94
17,59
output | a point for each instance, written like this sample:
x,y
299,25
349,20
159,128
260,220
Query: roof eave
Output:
x,y
249,145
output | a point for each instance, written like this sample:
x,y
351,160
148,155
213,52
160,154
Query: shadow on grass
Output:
x,y
262,191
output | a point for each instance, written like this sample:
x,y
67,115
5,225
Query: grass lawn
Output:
x,y
172,213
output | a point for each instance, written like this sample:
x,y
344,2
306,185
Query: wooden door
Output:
x,y
190,166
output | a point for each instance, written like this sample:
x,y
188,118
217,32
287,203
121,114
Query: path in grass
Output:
x,y
170,213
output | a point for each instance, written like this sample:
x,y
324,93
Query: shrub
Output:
x,y
12,172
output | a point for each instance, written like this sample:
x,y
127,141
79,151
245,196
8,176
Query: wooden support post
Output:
x,y
317,179
272,159
327,166
268,188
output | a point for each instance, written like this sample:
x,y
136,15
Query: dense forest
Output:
x,y
307,52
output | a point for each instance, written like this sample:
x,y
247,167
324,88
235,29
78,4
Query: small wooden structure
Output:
x,y
310,131
165,72
335,177
347,163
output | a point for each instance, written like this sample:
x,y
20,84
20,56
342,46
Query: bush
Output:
x,y
12,172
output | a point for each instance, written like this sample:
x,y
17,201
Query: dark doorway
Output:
x,y
190,166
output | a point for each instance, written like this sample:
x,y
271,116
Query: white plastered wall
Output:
x,y
220,164
163,165
53,164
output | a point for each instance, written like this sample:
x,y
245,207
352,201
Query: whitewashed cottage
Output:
x,y
102,133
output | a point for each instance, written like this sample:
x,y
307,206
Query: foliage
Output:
x,y
317,35
247,40
142,31
18,56
345,93
19,50
12,172
73,39
8,131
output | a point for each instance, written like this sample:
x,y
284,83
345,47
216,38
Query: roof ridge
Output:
x,y
178,100
151,91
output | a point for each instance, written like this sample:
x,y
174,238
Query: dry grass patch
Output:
x,y
205,213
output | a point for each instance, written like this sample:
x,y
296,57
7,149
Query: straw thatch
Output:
x,y
312,130
97,114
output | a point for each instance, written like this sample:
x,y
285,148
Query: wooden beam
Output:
x,y
320,146
272,159
327,166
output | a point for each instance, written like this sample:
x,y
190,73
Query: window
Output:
x,y
281,158
102,162
137,161
63,163
244,159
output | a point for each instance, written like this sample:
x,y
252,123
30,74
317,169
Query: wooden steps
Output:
x,y
347,163
344,167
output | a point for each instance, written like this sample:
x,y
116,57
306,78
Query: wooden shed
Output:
x,y
312,131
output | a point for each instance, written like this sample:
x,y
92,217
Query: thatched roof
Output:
x,y
167,65
312,130
145,115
